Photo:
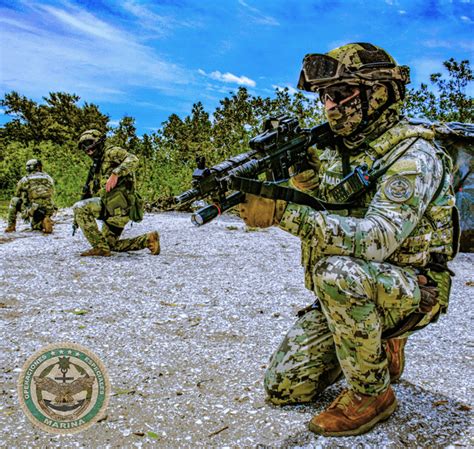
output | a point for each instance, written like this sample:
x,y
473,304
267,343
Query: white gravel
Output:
x,y
188,334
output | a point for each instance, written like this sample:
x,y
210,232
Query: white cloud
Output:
x,y
229,78
85,23
72,50
159,24
402,12
257,16
466,19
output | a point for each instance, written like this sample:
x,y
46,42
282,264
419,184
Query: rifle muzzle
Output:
x,y
189,195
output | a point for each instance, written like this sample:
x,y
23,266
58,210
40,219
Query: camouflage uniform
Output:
x,y
123,164
34,199
362,263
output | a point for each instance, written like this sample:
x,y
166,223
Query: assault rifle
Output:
x,y
86,189
280,151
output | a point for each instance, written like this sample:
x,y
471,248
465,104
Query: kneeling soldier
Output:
x,y
111,197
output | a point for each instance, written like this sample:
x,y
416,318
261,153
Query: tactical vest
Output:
x,y
433,234
39,186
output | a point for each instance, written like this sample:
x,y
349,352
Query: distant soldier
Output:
x,y
109,196
34,199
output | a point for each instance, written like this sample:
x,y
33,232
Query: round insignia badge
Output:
x,y
64,388
398,189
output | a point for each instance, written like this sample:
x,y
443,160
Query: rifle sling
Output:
x,y
274,191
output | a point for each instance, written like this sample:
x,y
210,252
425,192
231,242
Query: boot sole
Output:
x,y
360,430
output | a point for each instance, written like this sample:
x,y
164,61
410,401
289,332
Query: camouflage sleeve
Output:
x,y
21,187
400,201
127,162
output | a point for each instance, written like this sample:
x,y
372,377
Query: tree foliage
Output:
x,y
167,156
449,102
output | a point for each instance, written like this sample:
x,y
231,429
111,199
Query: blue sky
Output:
x,y
149,59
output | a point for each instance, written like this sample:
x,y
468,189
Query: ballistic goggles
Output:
x,y
320,70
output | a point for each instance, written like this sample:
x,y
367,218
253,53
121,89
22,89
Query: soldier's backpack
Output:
x,y
458,139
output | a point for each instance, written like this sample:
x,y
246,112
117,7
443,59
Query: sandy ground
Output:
x,y
186,337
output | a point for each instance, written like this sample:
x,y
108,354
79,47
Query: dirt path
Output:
x,y
186,336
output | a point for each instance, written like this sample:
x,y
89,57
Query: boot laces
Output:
x,y
346,399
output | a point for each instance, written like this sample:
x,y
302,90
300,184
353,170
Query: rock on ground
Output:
x,y
186,337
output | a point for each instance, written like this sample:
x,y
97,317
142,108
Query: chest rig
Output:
x,y
367,166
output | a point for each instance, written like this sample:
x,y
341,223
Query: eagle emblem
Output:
x,y
64,392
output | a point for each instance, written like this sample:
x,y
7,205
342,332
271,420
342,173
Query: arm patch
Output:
x,y
398,188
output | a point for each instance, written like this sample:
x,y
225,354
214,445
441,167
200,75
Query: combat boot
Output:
x,y
395,350
153,239
97,252
47,225
10,228
354,413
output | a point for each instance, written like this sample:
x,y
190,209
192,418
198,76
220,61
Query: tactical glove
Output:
x,y
429,295
308,180
261,212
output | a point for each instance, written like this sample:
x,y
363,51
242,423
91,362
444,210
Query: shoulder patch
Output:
x,y
398,189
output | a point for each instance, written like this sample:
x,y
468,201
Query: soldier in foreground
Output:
x,y
110,196
33,199
379,270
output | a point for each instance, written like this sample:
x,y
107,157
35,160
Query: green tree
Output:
x,y
449,102
60,120
125,135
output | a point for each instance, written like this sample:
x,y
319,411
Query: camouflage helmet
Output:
x,y
358,63
33,165
89,141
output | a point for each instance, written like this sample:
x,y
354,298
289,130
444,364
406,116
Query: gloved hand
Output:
x,y
308,180
429,295
261,212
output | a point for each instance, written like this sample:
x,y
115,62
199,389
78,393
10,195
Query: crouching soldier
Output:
x,y
110,197
33,199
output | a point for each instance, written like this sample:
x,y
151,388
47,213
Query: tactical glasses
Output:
x,y
337,93
87,145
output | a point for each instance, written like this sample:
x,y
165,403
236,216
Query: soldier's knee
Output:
x,y
291,387
342,274
278,388
78,207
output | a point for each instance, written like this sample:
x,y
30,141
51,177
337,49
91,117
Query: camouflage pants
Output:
x,y
359,300
85,214
35,213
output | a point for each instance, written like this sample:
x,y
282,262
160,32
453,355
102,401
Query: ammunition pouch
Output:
x,y
117,202
136,207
